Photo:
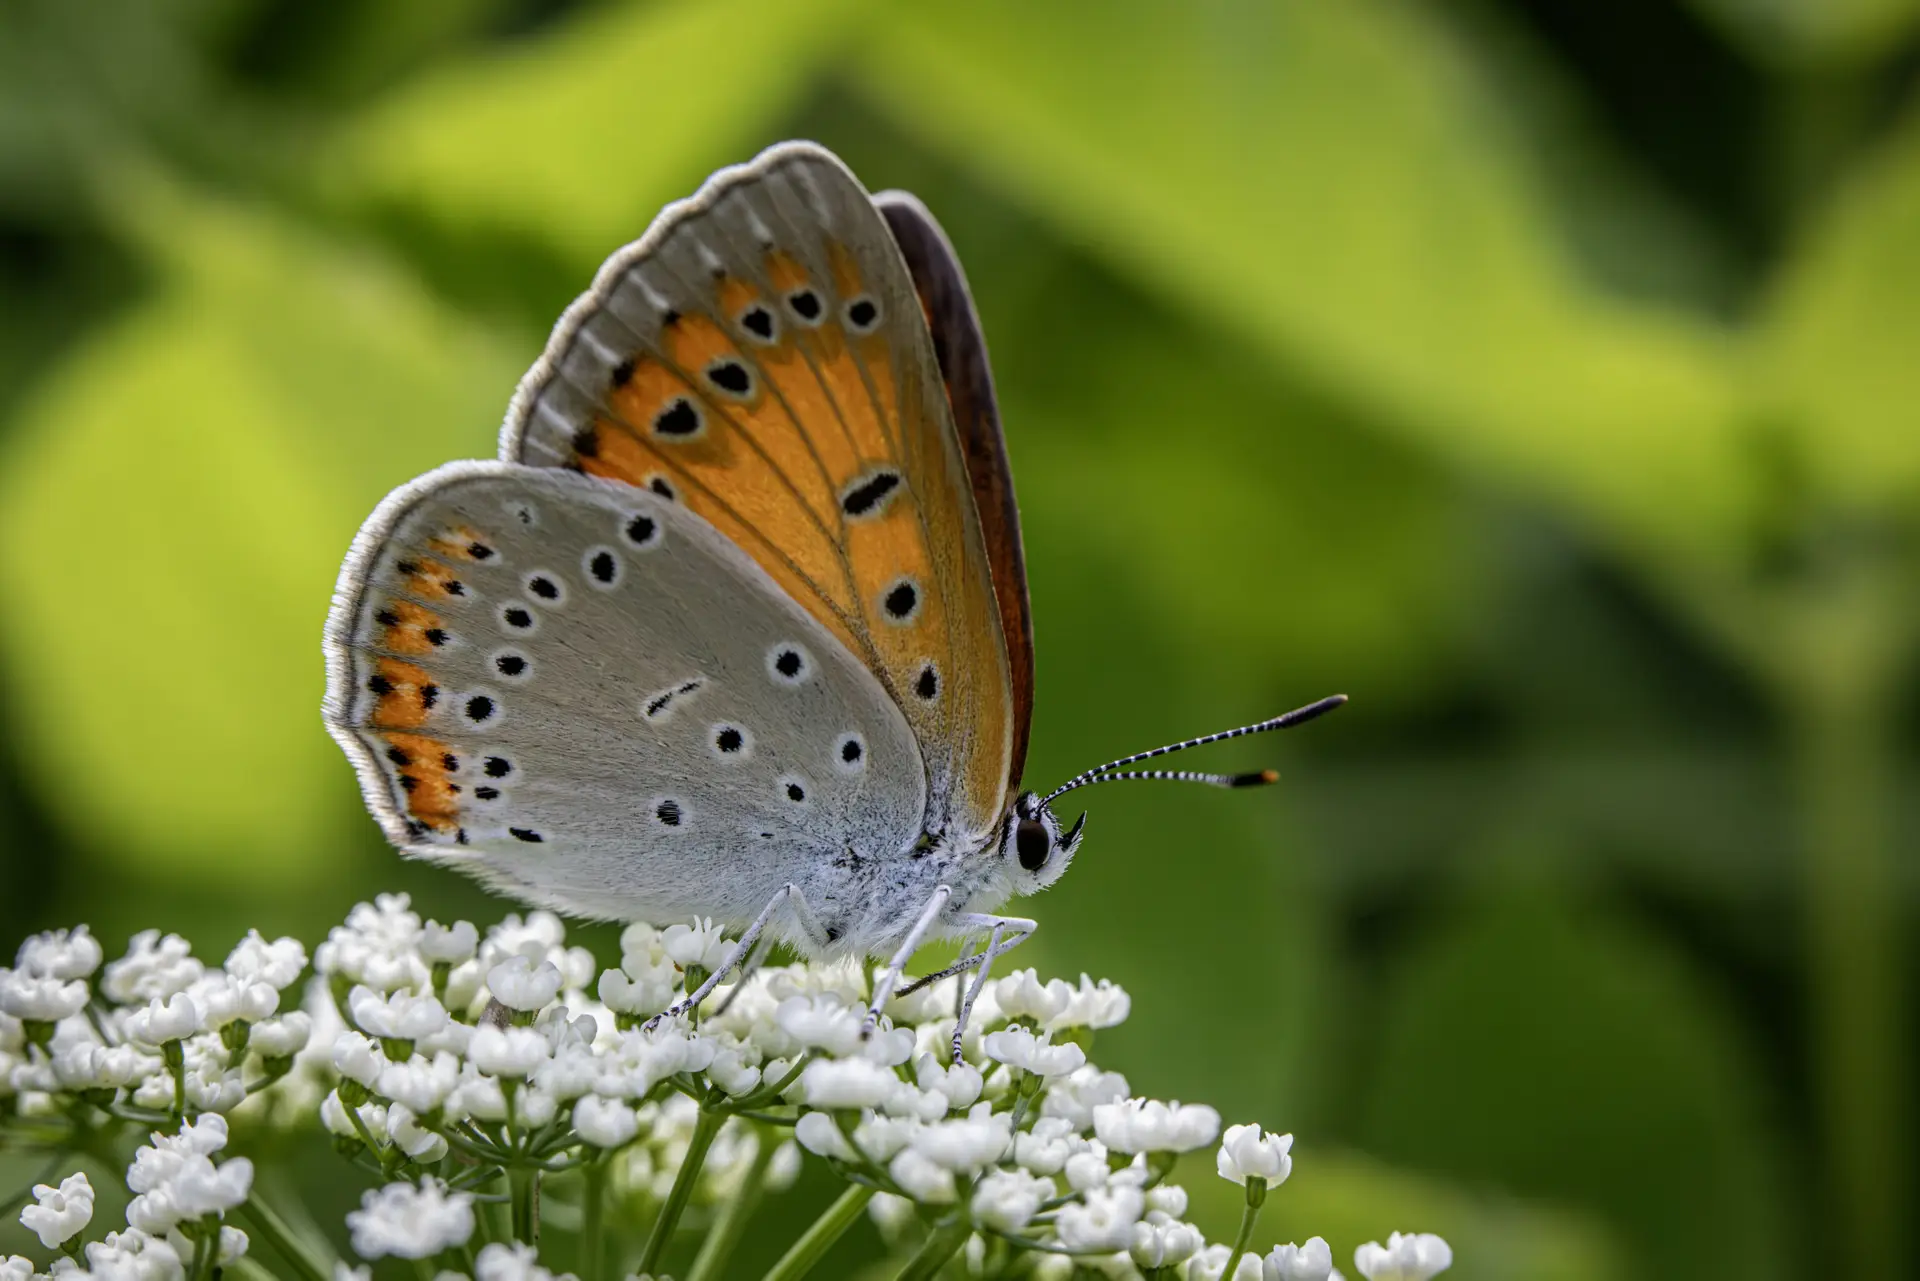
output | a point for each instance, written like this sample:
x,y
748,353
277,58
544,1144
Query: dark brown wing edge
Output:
x,y
962,352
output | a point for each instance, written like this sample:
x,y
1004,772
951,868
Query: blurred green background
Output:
x,y
1543,374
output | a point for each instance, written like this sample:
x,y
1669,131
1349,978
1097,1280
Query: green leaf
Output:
x,y
173,510
1817,35
1837,342
1380,240
1566,1056
581,136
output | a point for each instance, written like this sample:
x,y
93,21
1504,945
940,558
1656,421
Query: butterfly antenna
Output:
x,y
1112,772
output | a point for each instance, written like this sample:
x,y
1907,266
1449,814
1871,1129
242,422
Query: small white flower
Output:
x,y
223,999
1021,995
817,1133
91,1066
281,1037
1018,1048
420,1084
40,999
1310,1262
1045,1148
847,1083
60,954
1212,1261
201,1187
1086,1170
889,1047
277,963
640,990
153,968
403,1016
168,1154
820,1022
535,1106
1007,1200
1103,1221
1081,1092
1166,1202
507,1051
212,1088
16,1268
519,984
923,1180
702,943
641,940
1148,1125
174,1019
1246,1152
405,1132
960,1084
410,1222
641,1060
1405,1257
605,1123
233,1245
59,1213
969,1144
880,1137
573,1070
358,1059
732,1072
448,944
1164,1245
131,1256
338,1118
516,1262
1092,1005
890,1213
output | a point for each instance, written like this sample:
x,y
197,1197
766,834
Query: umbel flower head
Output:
x,y
452,1065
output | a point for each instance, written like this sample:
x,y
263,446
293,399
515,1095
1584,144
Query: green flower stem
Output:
x,y
204,1249
249,1270
946,1239
1256,1197
711,1262
524,1185
271,1228
593,1214
818,1239
176,1060
1847,790
703,1131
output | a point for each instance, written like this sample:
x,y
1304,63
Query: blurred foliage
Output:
x,y
1541,374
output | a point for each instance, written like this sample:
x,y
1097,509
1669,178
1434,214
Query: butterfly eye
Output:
x,y
1033,843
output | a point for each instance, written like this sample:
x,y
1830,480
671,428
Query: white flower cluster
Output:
x,y
175,1226
448,1063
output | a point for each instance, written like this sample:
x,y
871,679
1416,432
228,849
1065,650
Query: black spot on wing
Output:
x,y
869,495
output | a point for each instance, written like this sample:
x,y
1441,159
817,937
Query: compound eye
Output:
x,y
1033,843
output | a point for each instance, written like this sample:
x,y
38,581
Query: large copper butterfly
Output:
x,y
738,625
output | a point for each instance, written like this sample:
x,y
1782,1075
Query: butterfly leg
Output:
x,y
1004,934
792,898
747,971
890,977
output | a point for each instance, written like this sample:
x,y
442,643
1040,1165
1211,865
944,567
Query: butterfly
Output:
x,y
737,626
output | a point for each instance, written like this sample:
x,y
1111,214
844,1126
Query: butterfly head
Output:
x,y
1034,846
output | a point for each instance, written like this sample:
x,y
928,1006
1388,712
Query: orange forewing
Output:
x,y
767,355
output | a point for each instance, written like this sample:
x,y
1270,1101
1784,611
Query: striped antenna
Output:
x,y
1112,773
